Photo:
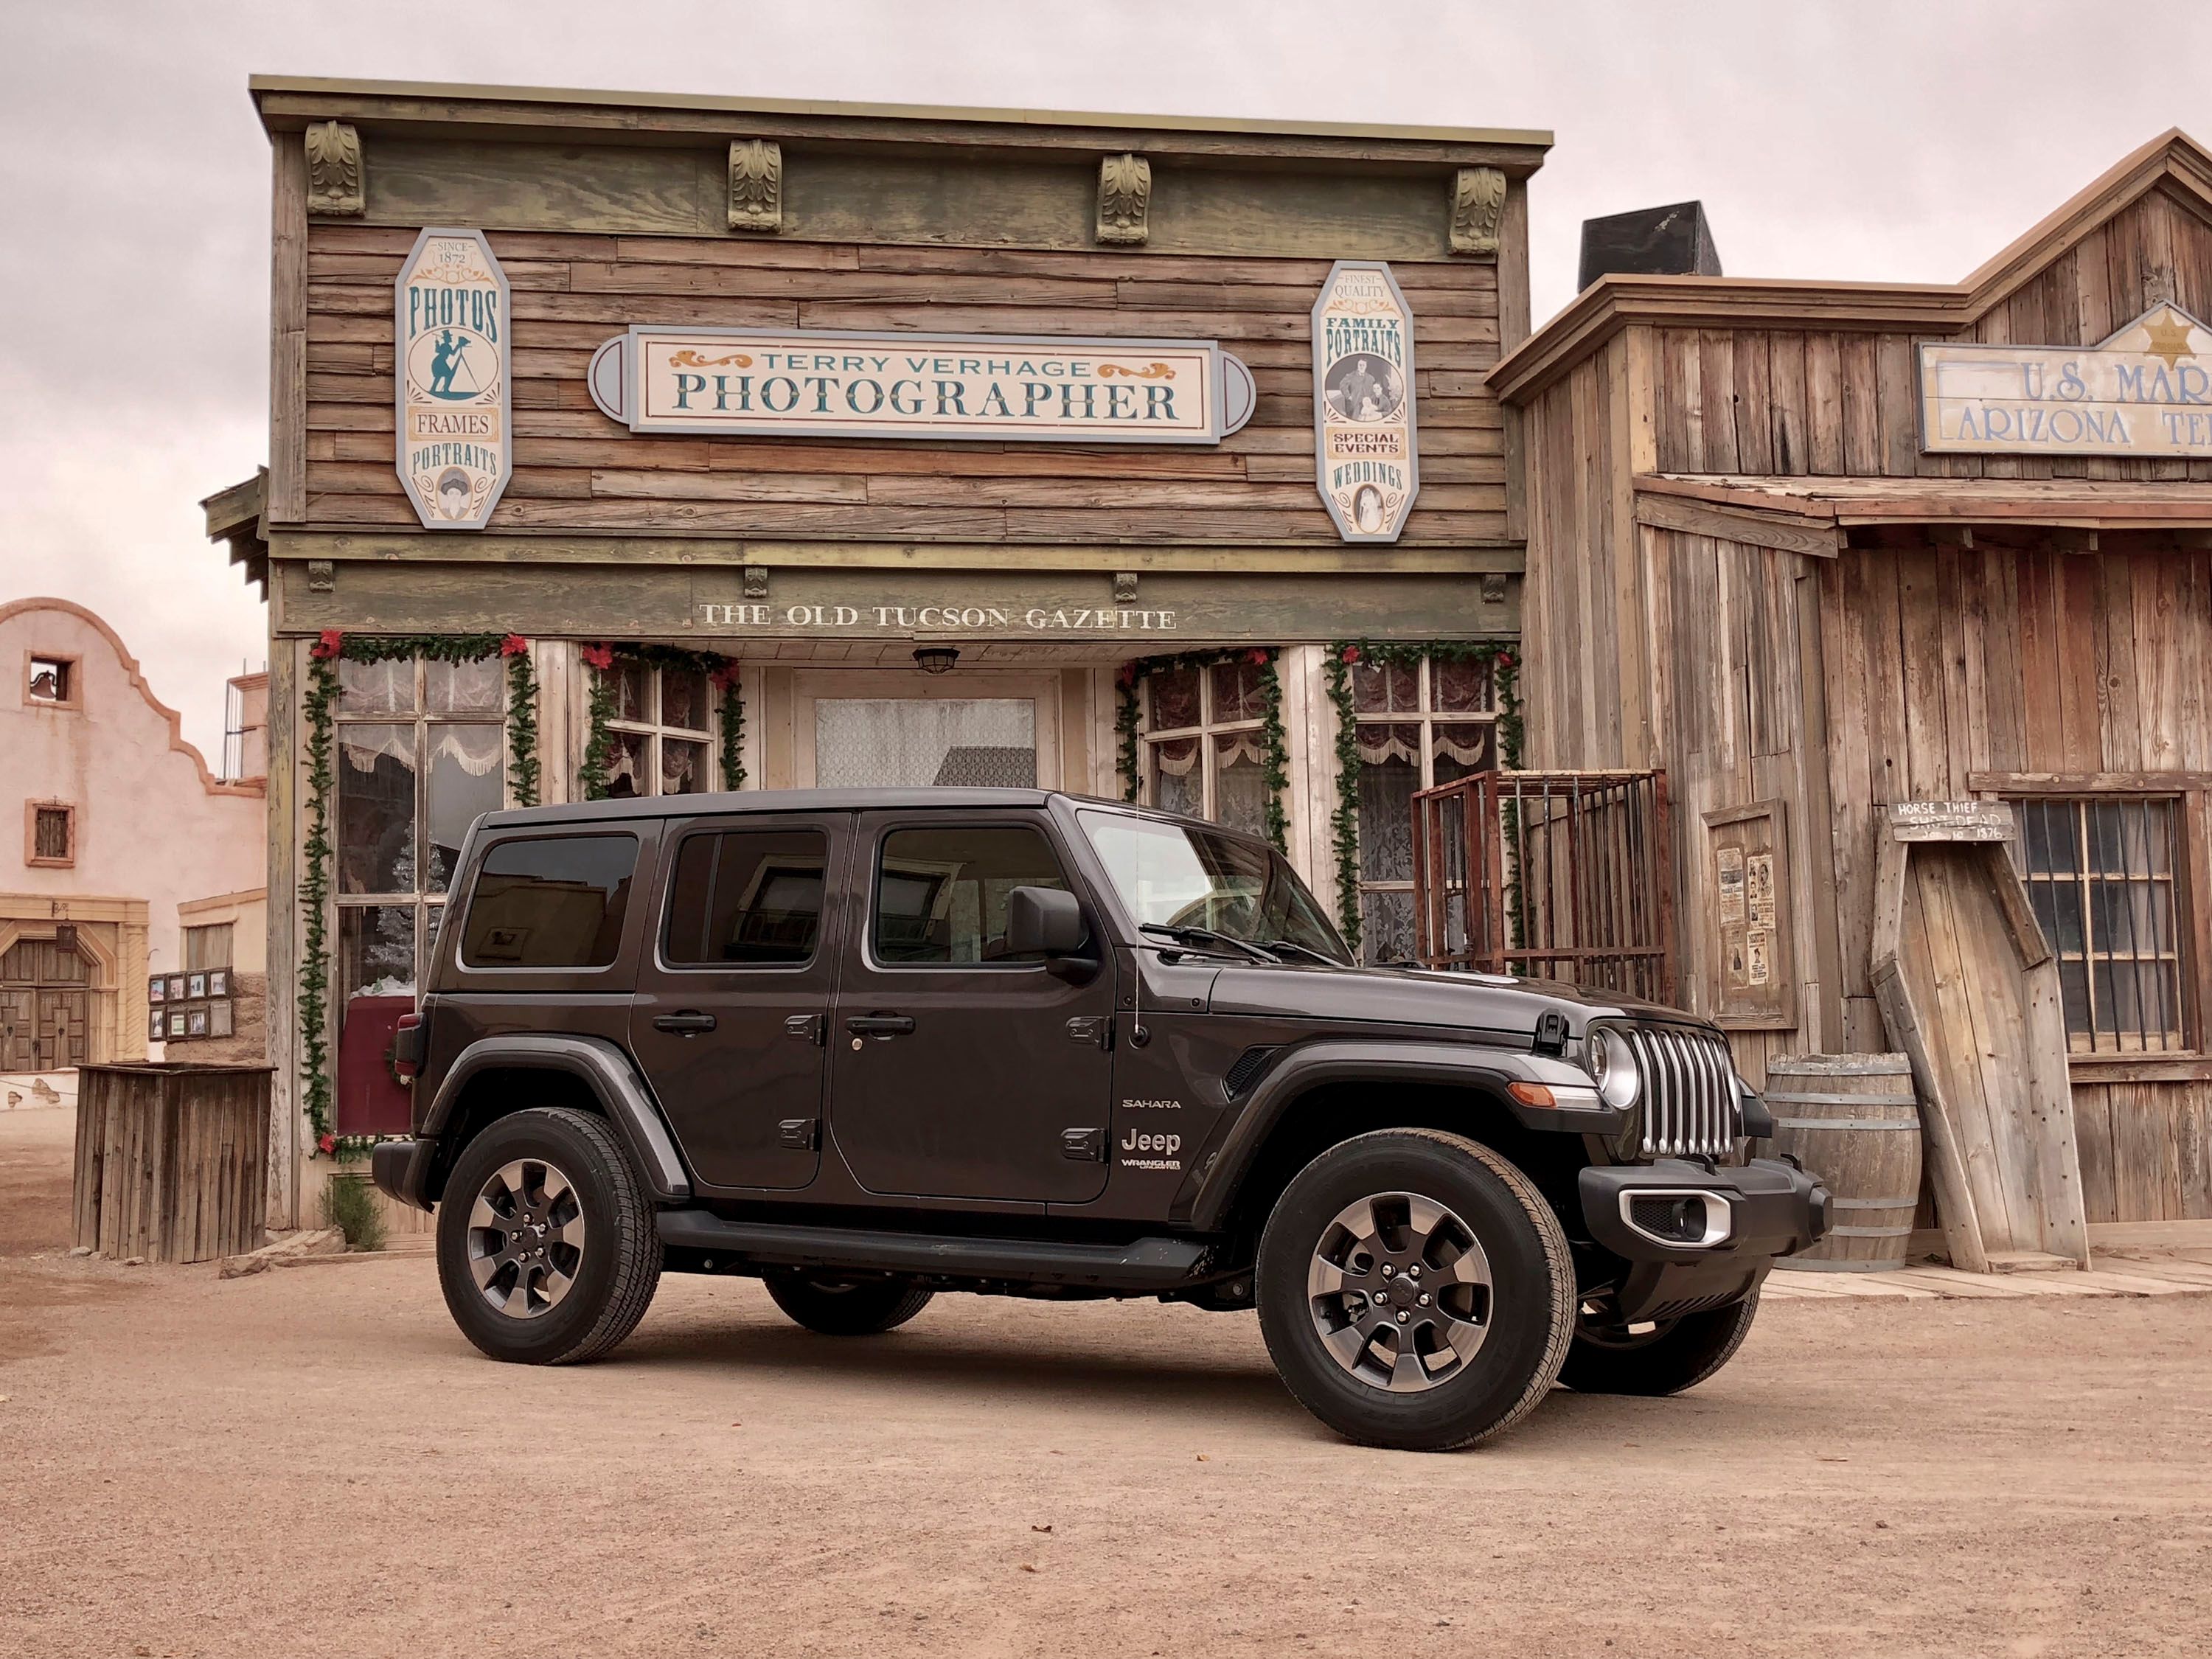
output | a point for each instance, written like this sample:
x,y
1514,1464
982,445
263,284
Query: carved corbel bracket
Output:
x,y
334,176
1478,203
757,185
1125,196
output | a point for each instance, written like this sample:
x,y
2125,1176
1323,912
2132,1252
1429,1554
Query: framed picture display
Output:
x,y
195,985
196,1022
156,987
218,1019
176,1022
176,987
218,982
155,1025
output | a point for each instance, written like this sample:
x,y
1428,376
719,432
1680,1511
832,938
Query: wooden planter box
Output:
x,y
171,1160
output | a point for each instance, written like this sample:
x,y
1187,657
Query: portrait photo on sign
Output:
x,y
1363,388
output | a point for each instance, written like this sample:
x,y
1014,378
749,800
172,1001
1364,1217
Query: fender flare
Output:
x,y
605,1068
1216,1175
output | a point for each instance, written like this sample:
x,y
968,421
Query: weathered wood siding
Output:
x,y
577,471
1846,403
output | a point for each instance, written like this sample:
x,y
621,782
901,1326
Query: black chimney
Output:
x,y
1661,241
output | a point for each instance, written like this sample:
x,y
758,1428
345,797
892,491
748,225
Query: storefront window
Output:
x,y
1420,725
1204,753
663,731
420,754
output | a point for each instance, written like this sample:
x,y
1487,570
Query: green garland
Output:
x,y
1344,820
1276,777
594,775
314,890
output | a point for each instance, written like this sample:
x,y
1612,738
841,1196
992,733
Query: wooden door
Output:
x,y
63,1021
46,1007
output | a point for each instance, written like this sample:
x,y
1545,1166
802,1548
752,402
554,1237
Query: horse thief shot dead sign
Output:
x,y
450,315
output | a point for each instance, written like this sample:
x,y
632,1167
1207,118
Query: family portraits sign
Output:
x,y
1366,462
451,323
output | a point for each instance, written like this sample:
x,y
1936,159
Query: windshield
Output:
x,y
1182,875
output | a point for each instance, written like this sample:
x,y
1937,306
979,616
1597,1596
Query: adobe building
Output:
x,y
1882,573
637,443
131,912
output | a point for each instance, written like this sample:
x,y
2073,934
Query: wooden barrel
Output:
x,y
1853,1120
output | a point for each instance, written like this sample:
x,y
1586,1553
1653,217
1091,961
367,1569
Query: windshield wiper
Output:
x,y
1207,936
1279,945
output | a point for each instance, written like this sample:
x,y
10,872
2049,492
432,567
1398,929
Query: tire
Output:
x,y
589,1259
845,1307
1468,1361
1678,1354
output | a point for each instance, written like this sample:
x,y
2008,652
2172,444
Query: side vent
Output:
x,y
1246,1072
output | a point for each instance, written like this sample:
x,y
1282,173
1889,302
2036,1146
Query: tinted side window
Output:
x,y
554,901
941,894
746,897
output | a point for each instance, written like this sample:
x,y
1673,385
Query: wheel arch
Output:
x,y
586,1072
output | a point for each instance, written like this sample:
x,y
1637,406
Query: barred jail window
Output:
x,y
2100,874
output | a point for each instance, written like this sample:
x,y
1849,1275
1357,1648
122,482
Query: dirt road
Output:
x,y
312,1461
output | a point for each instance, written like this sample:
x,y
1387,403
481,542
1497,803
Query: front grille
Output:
x,y
1690,1108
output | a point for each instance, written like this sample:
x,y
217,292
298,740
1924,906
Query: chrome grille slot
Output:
x,y
1690,1108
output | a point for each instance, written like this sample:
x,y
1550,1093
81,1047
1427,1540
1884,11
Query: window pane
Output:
x,y
207,946
627,770
549,902
1456,749
466,781
376,951
892,742
1389,772
633,688
1460,688
683,699
749,897
376,688
1240,795
1237,695
2058,910
683,766
376,808
1386,921
941,894
464,688
1380,688
1174,692
1177,785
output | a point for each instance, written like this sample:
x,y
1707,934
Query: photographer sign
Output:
x,y
1366,462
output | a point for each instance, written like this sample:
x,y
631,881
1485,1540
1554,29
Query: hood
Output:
x,y
1418,996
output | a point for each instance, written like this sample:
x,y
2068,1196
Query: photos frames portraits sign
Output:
x,y
1366,459
453,379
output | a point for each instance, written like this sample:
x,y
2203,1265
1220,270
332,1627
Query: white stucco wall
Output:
x,y
153,823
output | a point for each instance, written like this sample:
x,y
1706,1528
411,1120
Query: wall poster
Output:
x,y
1366,463
1750,962
450,315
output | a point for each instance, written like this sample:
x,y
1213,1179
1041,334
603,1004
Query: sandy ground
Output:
x,y
313,1461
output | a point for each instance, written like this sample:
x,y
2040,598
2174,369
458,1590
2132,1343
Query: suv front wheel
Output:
x,y
546,1248
1415,1291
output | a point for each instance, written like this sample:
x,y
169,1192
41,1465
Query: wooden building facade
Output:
x,y
700,609
1774,548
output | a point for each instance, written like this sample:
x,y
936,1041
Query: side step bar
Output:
x,y
1143,1264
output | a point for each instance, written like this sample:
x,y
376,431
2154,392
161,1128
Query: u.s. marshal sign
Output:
x,y
1366,462
455,441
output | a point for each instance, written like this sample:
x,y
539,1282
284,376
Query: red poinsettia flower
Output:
x,y
1258,655
332,643
514,645
327,1144
723,676
1352,653
1505,659
1126,674
601,657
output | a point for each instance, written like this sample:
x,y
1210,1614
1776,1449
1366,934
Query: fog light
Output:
x,y
1691,1220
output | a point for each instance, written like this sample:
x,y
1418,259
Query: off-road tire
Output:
x,y
1531,1306
620,1265
843,1307
1680,1354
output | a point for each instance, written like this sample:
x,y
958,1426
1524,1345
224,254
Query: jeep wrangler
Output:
x,y
868,1046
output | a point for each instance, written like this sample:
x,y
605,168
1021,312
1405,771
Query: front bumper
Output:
x,y
401,1170
1772,1209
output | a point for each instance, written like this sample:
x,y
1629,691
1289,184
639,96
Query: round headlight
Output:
x,y
1612,1068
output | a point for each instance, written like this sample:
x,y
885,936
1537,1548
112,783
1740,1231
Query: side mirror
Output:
x,y
1043,921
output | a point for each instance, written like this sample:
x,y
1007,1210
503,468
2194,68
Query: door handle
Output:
x,y
881,1025
690,1022
807,1028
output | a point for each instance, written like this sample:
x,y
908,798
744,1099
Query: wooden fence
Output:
x,y
1550,875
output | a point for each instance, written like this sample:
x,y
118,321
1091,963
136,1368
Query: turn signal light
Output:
x,y
1532,1094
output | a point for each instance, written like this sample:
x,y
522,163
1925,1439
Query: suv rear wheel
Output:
x,y
1415,1291
1662,1358
845,1307
546,1248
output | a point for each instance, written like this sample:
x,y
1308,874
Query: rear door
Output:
x,y
959,1072
734,990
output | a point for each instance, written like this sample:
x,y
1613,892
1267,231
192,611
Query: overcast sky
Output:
x,y
1901,140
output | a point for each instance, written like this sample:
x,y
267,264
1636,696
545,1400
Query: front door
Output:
x,y
733,1005
46,1006
957,1071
